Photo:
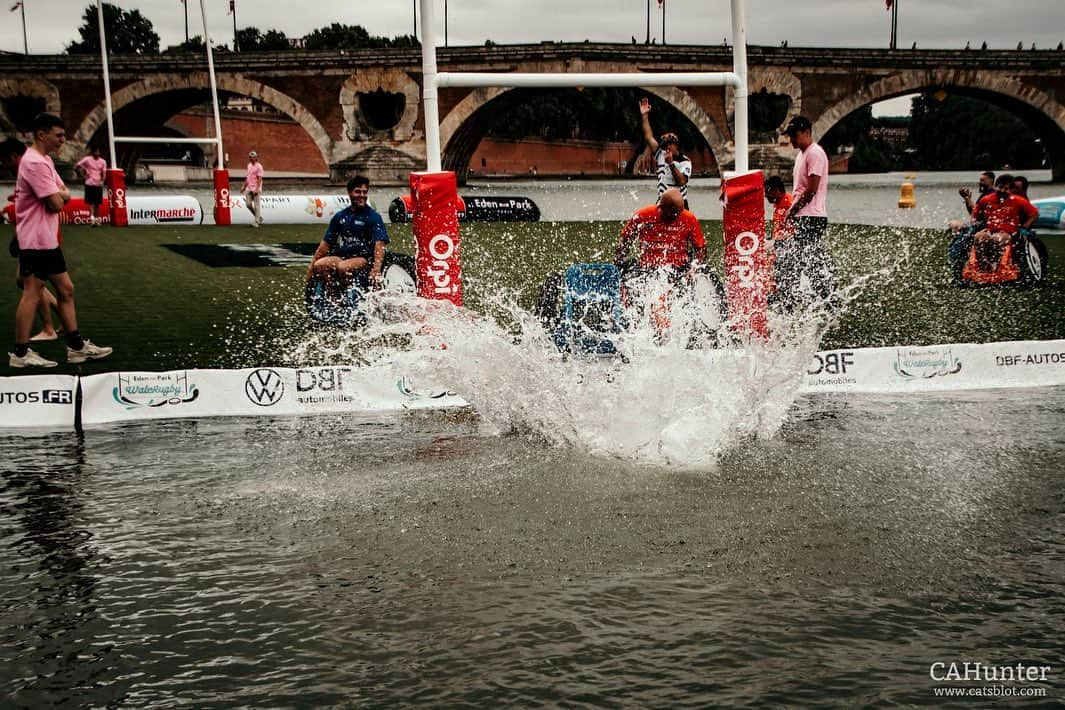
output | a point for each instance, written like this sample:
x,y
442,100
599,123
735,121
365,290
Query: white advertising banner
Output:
x,y
164,209
50,401
127,396
289,209
45,401
1030,363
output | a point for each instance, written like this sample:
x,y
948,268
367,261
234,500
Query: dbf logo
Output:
x,y
264,387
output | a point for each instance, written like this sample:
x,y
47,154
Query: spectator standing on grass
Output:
x,y
673,167
11,152
92,168
253,187
39,198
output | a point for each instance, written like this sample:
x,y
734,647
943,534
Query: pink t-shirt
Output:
x,y
255,177
36,227
812,161
94,170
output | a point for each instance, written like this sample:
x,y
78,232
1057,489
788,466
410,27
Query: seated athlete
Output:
x,y
354,243
668,240
1004,215
667,236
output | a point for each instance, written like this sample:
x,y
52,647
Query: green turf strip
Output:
x,y
155,295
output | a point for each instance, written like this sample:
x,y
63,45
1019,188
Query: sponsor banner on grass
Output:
x,y
275,391
1033,363
45,401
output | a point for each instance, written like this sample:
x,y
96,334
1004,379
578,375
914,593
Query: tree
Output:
x,y
952,132
250,39
194,45
128,32
338,36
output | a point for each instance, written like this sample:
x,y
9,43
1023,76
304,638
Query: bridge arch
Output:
x,y
464,126
235,83
37,88
1044,115
356,126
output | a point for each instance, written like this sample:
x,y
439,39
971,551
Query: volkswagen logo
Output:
x,y
264,387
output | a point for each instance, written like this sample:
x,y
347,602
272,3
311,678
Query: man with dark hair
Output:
x,y
809,215
11,152
354,243
962,231
39,198
673,167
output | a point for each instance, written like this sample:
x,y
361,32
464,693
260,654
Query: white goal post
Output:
x,y
112,138
433,80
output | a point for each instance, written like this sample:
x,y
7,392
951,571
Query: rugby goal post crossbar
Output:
x,y
435,221
432,80
116,177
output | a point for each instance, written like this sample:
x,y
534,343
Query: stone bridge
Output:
x,y
362,109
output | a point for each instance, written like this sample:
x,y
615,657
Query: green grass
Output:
x,y
161,310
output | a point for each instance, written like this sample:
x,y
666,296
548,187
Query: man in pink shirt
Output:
x,y
253,185
39,198
92,169
805,253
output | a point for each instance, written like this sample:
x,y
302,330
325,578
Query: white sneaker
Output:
x,y
88,352
30,359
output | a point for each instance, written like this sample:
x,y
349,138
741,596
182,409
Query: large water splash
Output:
x,y
669,398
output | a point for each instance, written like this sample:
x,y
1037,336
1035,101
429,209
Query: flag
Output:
x,y
16,6
661,3
232,7
889,3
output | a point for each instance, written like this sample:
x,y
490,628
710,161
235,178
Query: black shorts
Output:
x,y
41,263
94,194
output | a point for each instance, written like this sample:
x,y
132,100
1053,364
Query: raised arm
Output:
x,y
648,134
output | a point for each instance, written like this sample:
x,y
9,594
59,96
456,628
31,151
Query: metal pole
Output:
x,y
185,3
430,108
233,7
648,41
739,67
445,23
414,14
107,83
221,157
894,23
25,40
663,21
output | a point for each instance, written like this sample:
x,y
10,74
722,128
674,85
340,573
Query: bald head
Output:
x,y
671,204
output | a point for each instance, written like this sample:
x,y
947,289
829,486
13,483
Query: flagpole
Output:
x,y
894,23
648,22
185,4
233,7
25,40
663,21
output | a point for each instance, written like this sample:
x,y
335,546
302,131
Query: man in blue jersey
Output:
x,y
354,244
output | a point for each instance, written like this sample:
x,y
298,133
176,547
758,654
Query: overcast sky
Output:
x,y
836,23
51,24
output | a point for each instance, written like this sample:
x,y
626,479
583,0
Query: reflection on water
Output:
x,y
413,560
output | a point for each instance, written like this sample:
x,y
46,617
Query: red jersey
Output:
x,y
663,243
781,228
1004,214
